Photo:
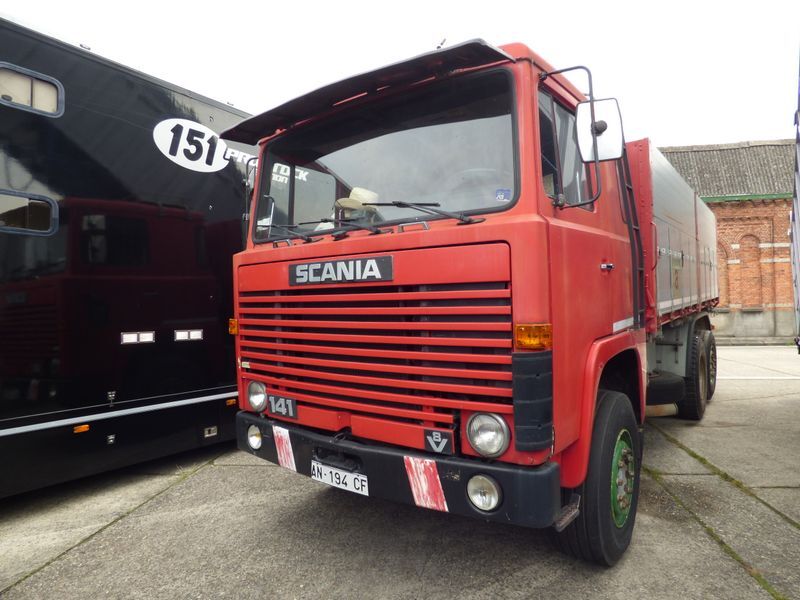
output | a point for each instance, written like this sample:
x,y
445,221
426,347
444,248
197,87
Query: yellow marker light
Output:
x,y
80,428
233,326
536,336
230,402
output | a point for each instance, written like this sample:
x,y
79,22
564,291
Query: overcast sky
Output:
x,y
699,72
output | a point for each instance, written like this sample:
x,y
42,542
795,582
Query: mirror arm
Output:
x,y
560,202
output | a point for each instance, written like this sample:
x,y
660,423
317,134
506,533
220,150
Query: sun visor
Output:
x,y
474,53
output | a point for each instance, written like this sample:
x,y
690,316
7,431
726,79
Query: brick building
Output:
x,y
749,187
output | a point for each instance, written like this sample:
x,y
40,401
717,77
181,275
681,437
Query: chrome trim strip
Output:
x,y
112,414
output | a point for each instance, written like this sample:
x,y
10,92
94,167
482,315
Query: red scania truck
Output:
x,y
462,290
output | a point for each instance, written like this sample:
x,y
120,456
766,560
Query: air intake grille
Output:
x,y
413,353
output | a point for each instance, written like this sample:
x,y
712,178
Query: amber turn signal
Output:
x,y
80,428
233,326
537,336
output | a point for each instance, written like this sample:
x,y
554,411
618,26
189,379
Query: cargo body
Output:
x,y
440,303
794,229
113,325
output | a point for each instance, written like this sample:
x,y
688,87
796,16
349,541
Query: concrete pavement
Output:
x,y
718,518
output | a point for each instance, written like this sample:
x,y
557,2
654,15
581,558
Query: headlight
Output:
x,y
257,395
488,434
484,492
254,437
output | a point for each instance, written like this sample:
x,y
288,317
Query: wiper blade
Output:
x,y
351,225
427,207
288,230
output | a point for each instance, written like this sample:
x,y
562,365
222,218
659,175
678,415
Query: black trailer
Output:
x,y
120,209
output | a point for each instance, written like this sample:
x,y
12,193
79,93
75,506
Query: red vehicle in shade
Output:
x,y
120,210
462,290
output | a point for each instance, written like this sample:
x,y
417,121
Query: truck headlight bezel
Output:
x,y
257,395
488,434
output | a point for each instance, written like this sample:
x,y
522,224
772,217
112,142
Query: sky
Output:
x,y
684,73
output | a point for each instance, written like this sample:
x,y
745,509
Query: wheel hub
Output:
x,y
623,473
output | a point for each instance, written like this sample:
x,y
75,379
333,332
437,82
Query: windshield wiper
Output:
x,y
426,207
288,229
351,225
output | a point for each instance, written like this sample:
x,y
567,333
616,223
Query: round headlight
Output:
x,y
254,437
484,492
488,434
257,395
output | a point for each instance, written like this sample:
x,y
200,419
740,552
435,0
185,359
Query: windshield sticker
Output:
x,y
280,173
194,146
502,195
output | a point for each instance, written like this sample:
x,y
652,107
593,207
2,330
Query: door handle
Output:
x,y
606,266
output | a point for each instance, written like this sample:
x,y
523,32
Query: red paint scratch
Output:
x,y
284,447
423,477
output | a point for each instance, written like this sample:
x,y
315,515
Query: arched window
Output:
x,y
722,276
750,286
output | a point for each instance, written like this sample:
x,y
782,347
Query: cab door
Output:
x,y
584,267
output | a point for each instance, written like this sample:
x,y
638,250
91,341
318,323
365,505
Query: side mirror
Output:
x,y
27,214
606,129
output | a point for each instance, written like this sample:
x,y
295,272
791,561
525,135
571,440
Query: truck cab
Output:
x,y
442,302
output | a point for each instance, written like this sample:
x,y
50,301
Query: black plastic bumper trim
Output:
x,y
532,384
531,495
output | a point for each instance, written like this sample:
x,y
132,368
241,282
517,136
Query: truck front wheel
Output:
x,y
610,494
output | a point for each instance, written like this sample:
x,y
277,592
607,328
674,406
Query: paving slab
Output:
x,y
761,537
37,527
751,431
236,457
663,456
786,500
235,531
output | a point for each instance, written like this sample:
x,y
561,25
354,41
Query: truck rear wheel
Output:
x,y
610,494
693,404
711,352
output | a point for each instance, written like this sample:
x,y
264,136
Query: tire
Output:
x,y
711,352
693,404
602,530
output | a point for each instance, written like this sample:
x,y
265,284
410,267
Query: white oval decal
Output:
x,y
191,145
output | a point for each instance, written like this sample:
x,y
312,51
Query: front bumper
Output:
x,y
531,495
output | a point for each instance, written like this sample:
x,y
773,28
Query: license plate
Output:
x,y
345,480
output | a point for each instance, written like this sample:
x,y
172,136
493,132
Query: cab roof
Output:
x,y
471,54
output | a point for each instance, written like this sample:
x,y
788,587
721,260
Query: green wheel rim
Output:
x,y
623,474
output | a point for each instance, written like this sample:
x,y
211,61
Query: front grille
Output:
x,y
28,333
411,353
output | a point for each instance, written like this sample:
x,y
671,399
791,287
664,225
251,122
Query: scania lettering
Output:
x,y
474,296
342,270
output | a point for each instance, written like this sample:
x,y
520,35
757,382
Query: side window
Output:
x,y
34,92
563,172
114,241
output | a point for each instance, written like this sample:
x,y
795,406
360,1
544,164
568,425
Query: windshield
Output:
x,y
449,144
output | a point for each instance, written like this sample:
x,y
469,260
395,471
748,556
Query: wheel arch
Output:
x,y
618,361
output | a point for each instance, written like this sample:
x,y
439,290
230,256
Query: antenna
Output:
x,y
439,47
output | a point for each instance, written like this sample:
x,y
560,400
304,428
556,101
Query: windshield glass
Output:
x,y
449,145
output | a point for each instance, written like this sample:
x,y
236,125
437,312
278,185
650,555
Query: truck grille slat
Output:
x,y
376,366
381,339
497,359
372,396
386,325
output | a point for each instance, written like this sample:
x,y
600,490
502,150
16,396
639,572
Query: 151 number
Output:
x,y
194,137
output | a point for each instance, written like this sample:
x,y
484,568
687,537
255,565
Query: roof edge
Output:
x,y
732,146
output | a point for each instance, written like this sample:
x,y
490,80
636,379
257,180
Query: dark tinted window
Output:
x,y
114,241
563,172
